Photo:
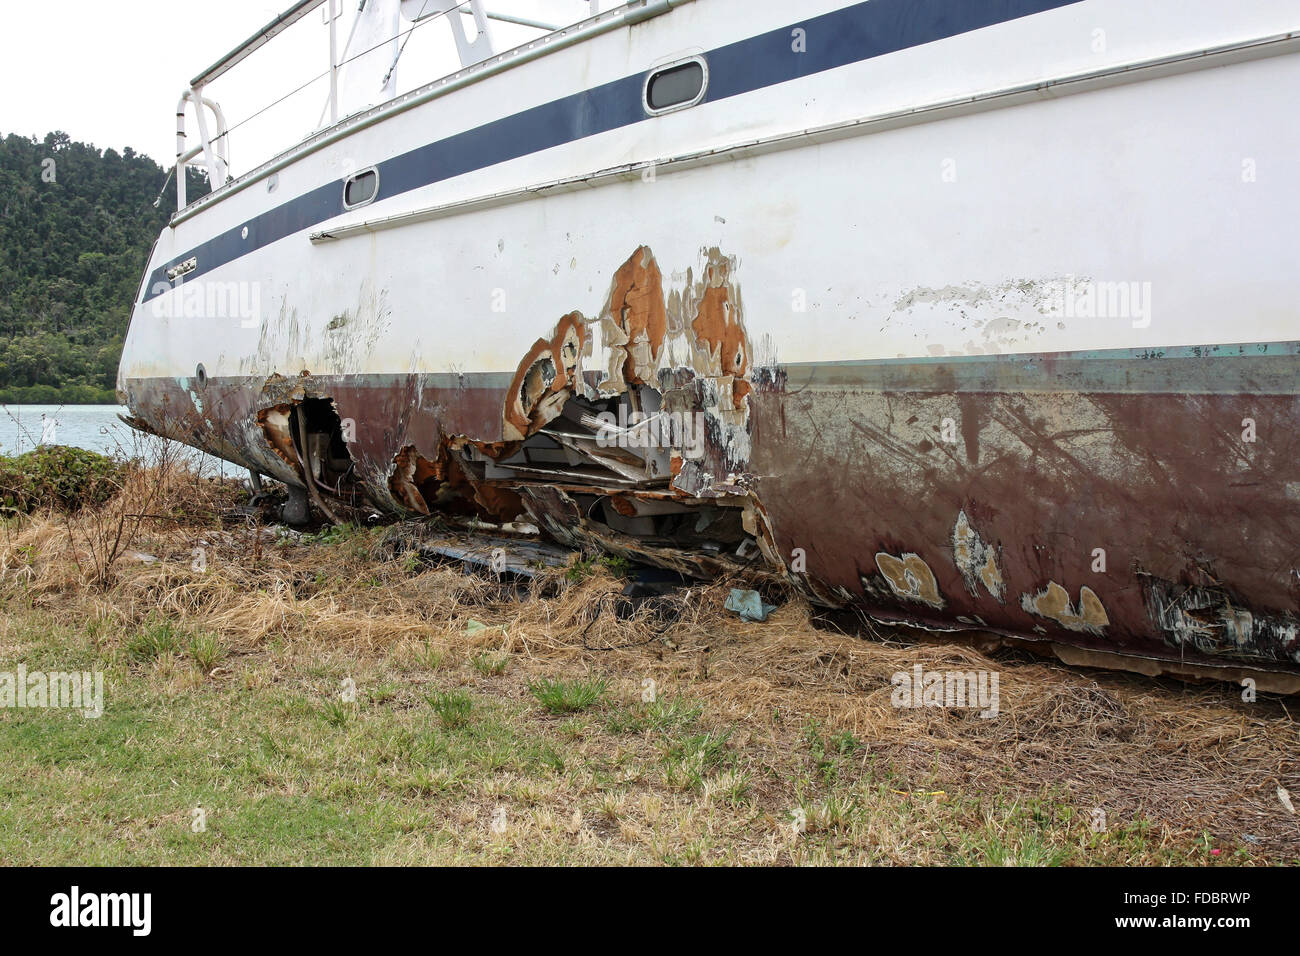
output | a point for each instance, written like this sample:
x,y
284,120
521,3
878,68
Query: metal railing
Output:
x,y
212,151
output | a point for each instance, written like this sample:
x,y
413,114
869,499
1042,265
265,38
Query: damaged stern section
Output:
x,y
626,431
629,431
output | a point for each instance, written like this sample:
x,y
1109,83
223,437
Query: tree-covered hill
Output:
x,y
76,226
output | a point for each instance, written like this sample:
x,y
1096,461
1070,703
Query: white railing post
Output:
x,y
217,160
181,163
334,63
223,141
214,161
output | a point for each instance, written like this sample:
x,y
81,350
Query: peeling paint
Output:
x,y
634,323
1210,620
545,379
719,336
1054,603
683,355
910,578
977,561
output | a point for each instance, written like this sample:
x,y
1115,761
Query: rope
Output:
x,y
402,49
157,201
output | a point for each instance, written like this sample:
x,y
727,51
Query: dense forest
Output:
x,y
76,226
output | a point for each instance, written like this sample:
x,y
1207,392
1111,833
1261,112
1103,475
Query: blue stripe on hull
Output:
x,y
851,35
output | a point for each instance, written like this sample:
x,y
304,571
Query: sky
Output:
x,y
110,73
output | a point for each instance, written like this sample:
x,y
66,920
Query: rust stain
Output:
x,y
410,471
423,485
545,379
635,321
718,329
624,507
1054,603
910,578
274,423
501,504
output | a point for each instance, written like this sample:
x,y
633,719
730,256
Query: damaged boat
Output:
x,y
967,314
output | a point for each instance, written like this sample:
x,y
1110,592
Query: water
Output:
x,y
95,427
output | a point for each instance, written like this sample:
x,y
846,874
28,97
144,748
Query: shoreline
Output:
x,y
6,398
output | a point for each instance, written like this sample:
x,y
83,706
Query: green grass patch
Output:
x,y
156,638
490,665
454,707
568,696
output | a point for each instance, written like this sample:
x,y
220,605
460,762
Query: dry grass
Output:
x,y
753,722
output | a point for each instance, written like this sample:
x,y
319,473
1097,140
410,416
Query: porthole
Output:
x,y
360,188
201,374
675,87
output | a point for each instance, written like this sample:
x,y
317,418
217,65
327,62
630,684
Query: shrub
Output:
x,y
56,476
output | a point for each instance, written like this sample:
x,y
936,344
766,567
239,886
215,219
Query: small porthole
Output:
x,y
675,87
202,375
360,188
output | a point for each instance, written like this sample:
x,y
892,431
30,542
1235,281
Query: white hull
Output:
x,y
1139,182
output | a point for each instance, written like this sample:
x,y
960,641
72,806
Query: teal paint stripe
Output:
x,y
1263,368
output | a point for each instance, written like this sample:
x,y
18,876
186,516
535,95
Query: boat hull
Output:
x,y
1016,355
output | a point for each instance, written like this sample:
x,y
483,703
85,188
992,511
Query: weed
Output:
x,y
568,696
453,707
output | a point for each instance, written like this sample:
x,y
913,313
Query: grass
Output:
x,y
317,718
690,759
490,665
287,772
206,651
154,640
582,568
568,696
336,713
452,707
429,656
658,715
